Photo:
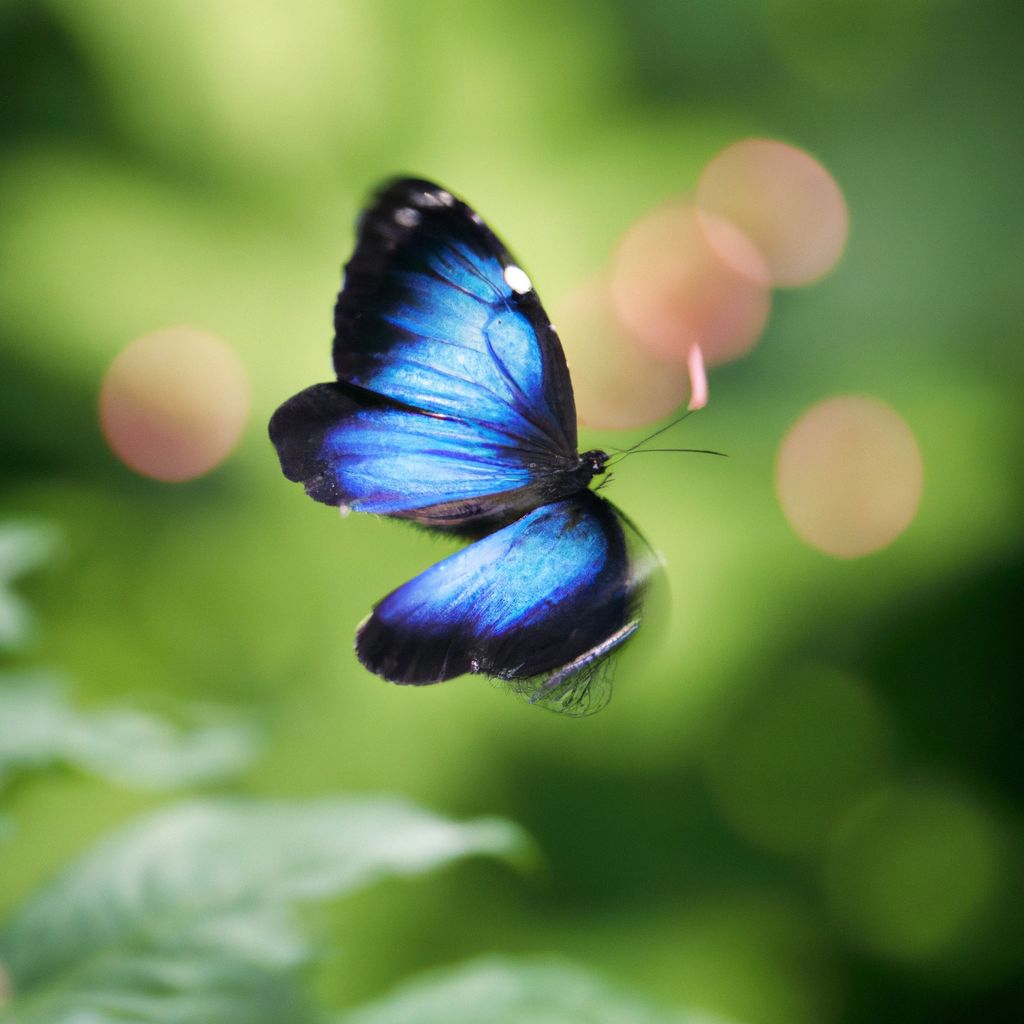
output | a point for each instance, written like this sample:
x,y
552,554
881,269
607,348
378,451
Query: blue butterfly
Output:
x,y
453,408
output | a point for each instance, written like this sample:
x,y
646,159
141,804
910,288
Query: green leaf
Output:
x,y
41,728
22,548
502,991
169,990
171,913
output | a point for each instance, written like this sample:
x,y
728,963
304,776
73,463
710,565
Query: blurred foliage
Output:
x,y
126,745
803,804
22,548
188,915
509,992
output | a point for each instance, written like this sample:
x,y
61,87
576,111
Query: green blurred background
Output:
x,y
803,803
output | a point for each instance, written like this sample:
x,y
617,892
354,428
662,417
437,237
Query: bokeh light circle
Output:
x,y
672,291
795,755
617,384
174,403
782,200
914,871
849,476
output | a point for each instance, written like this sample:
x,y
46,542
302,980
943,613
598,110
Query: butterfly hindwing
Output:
x,y
537,603
453,400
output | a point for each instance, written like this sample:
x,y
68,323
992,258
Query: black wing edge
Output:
x,y
433,211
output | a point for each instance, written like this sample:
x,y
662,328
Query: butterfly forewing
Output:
x,y
453,405
351,447
436,313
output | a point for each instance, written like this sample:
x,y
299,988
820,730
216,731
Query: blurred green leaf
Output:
x,y
172,991
130,746
192,909
502,991
22,548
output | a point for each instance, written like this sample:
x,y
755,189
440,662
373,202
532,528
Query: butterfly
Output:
x,y
453,409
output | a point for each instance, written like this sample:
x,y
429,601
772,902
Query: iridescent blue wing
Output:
x,y
539,603
453,400
436,313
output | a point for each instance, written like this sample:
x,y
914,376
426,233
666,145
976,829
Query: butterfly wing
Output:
x,y
453,399
538,603
355,449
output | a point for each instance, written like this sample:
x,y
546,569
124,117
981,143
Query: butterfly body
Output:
x,y
453,408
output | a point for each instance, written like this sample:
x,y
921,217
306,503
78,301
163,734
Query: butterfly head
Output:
x,y
594,461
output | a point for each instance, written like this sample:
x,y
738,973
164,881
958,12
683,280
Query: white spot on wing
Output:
x,y
407,216
516,279
426,199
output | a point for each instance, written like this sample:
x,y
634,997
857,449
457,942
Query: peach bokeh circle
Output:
x,y
672,291
617,384
174,403
849,476
782,200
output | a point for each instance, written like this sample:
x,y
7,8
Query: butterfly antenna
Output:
x,y
660,430
637,449
695,451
